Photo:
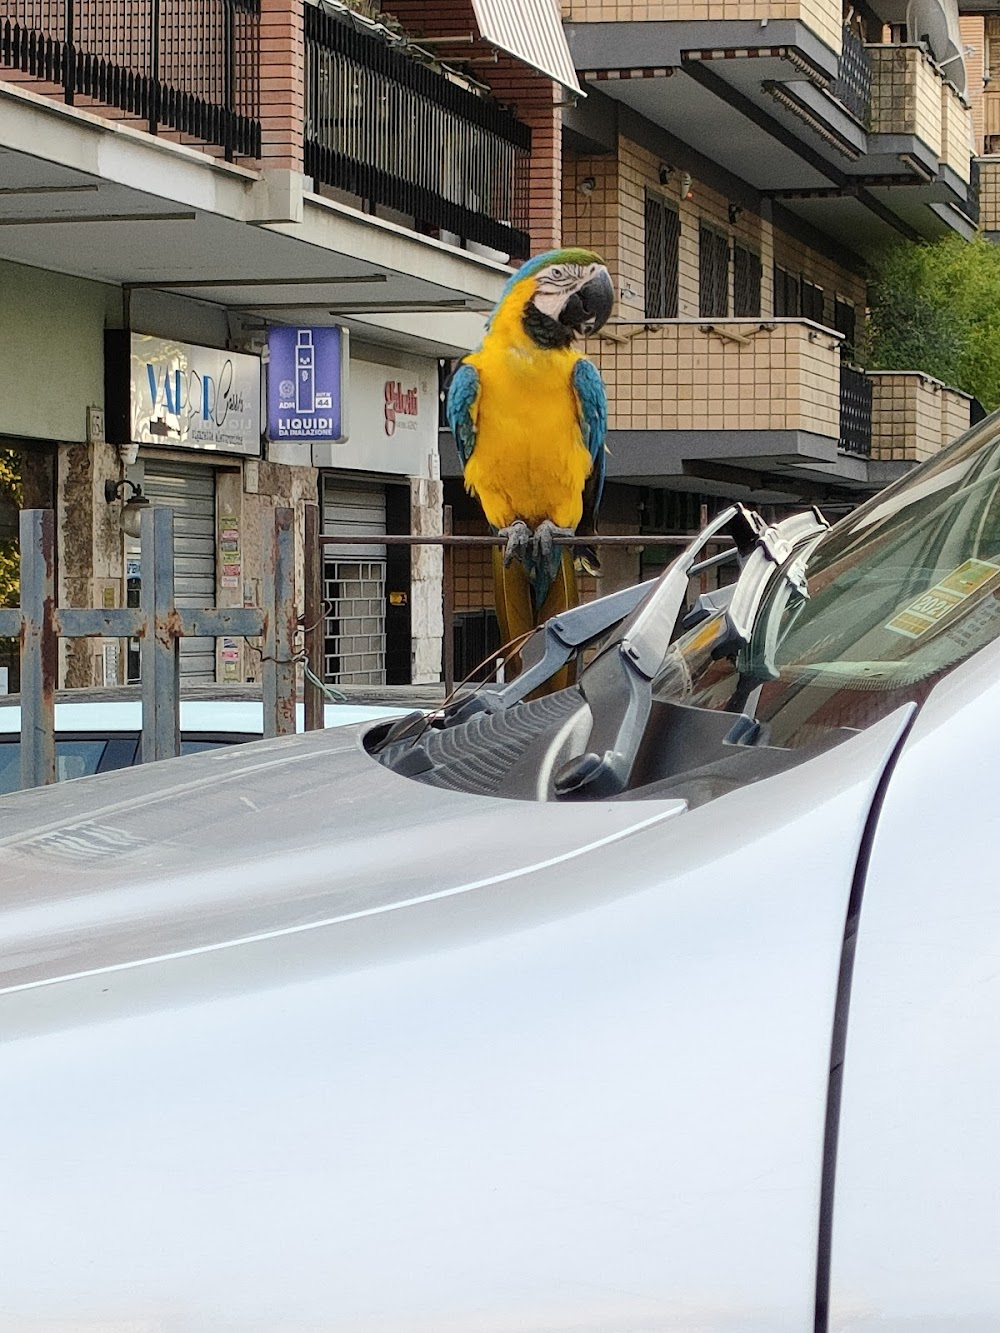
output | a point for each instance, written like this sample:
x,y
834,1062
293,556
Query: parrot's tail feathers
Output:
x,y
586,561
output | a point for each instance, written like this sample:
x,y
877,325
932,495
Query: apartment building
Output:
x,y
202,202
737,164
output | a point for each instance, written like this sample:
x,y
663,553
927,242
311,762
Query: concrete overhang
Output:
x,y
753,101
783,464
84,196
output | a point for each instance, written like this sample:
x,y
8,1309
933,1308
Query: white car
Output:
x,y
667,1003
99,730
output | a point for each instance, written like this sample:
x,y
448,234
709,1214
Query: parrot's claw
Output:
x,y
519,539
547,534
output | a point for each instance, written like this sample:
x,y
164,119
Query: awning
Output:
x,y
532,31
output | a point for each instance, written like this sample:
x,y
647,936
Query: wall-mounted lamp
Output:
x,y
627,293
665,173
132,509
588,185
686,183
734,213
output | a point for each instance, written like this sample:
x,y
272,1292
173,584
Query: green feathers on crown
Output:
x,y
571,255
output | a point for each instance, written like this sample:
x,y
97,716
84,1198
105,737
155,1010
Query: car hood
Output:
x,y
388,1057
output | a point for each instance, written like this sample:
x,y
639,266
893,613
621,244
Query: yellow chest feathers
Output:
x,y
530,461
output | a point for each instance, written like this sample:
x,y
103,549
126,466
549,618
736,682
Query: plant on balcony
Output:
x,y
936,308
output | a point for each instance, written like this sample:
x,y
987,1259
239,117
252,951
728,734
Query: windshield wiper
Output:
x,y
618,685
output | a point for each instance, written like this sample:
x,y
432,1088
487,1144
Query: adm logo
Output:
x,y
400,404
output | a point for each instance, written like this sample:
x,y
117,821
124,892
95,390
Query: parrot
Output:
x,y
529,415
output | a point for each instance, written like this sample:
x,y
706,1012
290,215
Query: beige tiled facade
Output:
x,y
956,132
989,193
603,208
913,415
906,94
973,30
821,16
721,375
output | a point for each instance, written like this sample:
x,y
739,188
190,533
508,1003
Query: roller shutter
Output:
x,y
190,491
354,584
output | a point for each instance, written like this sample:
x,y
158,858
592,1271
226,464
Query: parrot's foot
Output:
x,y
519,540
547,535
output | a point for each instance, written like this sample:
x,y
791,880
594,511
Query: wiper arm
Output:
x,y
618,686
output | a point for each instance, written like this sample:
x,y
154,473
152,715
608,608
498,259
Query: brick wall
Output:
x,y
281,84
531,96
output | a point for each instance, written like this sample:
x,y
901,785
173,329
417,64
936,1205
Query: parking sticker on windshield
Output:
x,y
932,606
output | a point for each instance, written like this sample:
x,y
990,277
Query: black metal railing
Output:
x,y
855,411
853,84
189,66
399,134
971,206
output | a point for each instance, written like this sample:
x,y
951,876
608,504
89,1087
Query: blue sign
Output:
x,y
306,383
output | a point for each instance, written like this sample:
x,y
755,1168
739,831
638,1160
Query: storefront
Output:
x,y
187,421
384,622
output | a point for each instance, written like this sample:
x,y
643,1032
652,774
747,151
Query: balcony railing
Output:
x,y
398,134
971,208
855,411
853,84
186,66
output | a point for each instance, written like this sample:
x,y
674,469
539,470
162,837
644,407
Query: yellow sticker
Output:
x,y
933,605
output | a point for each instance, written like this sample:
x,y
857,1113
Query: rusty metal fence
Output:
x,y
157,623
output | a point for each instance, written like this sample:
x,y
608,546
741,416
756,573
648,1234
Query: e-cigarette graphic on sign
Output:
x,y
306,377
305,372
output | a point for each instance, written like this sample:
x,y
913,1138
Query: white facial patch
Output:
x,y
555,285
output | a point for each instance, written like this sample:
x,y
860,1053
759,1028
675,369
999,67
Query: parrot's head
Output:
x,y
562,295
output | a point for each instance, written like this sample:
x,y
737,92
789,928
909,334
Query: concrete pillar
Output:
x,y
282,84
426,581
90,558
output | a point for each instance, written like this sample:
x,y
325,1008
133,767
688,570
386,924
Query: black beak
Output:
x,y
588,309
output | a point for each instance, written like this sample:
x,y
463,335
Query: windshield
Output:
x,y
900,592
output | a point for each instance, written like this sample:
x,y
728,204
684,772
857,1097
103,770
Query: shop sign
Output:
x,y
190,397
307,384
394,418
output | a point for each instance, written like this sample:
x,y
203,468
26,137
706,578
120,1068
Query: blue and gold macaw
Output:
x,y
529,415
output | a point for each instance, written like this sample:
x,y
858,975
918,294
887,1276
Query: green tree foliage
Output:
x,y
936,307
10,494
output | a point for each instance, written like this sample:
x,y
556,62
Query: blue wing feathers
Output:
x,y
593,400
463,393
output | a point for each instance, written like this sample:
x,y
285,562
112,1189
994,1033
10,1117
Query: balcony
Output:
x,y
187,70
400,135
988,173
912,99
723,375
821,17
914,415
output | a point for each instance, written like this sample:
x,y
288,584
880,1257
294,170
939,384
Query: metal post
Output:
x,y
229,75
448,599
160,649
280,624
154,65
38,648
313,615
69,54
